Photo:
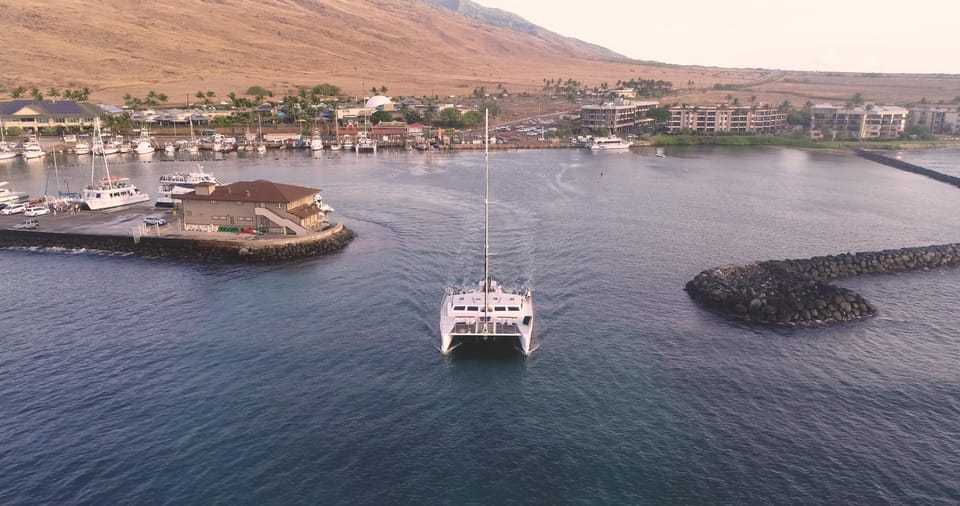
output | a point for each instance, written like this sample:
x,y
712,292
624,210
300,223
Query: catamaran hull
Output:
x,y
98,205
509,320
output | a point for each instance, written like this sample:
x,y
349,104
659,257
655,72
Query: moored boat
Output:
x,y
178,183
609,143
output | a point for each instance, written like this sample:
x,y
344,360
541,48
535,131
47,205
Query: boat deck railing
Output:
x,y
509,329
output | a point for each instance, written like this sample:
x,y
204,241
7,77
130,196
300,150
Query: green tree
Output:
x,y
490,106
258,93
53,92
451,117
379,116
659,114
327,90
920,132
412,116
471,119
18,92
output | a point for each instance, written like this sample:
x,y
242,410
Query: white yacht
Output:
x,y
488,313
6,153
32,150
105,147
609,143
178,183
108,192
82,146
365,144
324,208
316,142
8,196
144,144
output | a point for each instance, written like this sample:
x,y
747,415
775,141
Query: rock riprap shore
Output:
x,y
799,292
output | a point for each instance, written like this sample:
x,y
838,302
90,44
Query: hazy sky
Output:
x,y
917,36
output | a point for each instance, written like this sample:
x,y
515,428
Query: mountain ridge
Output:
x,y
412,47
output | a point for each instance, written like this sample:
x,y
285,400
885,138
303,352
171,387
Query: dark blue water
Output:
x,y
130,380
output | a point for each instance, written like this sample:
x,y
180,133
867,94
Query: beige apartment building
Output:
x,y
270,208
940,119
617,117
865,122
726,119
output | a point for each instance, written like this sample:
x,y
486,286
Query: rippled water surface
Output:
x,y
127,380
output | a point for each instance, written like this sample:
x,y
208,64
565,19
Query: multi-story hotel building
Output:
x,y
617,117
940,119
862,122
726,119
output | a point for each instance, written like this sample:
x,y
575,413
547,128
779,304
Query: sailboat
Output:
x,y
336,136
5,152
108,192
487,313
316,140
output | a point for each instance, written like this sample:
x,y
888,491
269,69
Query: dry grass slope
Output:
x,y
179,47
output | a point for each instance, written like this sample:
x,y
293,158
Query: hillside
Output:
x,y
413,47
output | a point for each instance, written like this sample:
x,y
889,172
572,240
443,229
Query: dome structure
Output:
x,y
377,102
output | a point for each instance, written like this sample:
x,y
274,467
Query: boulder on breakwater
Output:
x,y
798,292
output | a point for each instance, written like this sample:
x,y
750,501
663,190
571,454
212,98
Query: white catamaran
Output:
x,y
107,191
487,313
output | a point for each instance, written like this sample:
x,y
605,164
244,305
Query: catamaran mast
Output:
x,y
486,217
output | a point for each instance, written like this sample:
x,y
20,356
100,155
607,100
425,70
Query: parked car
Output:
x,y
155,220
28,224
36,211
14,209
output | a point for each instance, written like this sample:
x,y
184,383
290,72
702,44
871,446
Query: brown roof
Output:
x,y
255,191
304,211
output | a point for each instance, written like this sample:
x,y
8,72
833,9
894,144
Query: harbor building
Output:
x,y
261,206
726,119
616,117
865,122
34,115
939,118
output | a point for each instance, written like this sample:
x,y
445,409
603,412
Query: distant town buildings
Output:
x,y
869,121
726,119
616,117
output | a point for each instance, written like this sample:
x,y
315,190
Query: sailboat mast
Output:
x,y
486,210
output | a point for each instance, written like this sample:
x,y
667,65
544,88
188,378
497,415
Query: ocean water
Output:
x,y
127,380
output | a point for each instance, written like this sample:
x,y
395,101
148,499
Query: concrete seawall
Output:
x,y
798,292
194,248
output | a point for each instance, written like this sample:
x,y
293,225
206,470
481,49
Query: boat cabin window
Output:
x,y
514,308
459,308
500,308
472,308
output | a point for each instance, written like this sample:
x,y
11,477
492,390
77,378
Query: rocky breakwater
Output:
x,y
799,292
225,249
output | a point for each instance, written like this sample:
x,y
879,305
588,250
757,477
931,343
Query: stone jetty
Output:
x,y
197,246
799,292
908,167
